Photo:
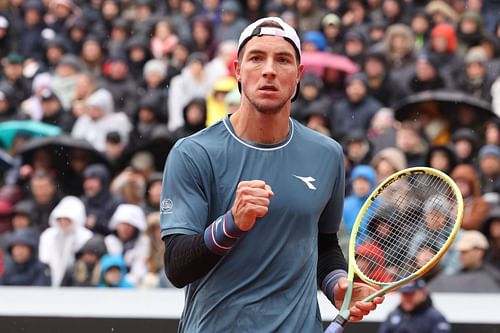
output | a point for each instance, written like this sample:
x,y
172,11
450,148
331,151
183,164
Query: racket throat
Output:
x,y
344,310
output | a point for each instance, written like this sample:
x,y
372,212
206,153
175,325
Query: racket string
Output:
x,y
405,227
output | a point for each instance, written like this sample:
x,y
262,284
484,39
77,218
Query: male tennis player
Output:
x,y
251,205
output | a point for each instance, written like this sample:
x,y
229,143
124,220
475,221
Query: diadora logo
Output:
x,y
308,181
166,206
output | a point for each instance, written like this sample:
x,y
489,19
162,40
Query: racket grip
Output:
x,y
337,326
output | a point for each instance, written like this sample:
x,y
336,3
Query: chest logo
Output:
x,y
308,181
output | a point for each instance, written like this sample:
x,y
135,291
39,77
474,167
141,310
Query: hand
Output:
x,y
357,308
252,201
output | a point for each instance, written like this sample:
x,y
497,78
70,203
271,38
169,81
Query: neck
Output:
x,y
260,127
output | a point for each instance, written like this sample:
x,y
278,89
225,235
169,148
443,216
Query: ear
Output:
x,y
237,69
300,72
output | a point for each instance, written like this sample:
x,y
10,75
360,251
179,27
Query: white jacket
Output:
x,y
57,248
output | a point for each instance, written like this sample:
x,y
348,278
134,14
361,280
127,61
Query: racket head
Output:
x,y
419,202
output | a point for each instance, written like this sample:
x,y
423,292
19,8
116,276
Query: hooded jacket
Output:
x,y
476,209
353,203
29,273
110,261
136,250
57,248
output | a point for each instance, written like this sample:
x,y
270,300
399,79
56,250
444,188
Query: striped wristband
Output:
x,y
222,234
329,282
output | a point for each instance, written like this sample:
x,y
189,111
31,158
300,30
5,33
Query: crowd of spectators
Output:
x,y
132,77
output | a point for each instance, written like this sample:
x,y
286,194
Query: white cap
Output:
x,y
4,24
286,32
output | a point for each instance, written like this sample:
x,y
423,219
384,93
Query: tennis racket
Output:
x,y
403,229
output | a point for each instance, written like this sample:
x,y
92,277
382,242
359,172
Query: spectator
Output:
x,y
363,181
203,36
476,209
65,236
156,78
23,267
491,229
415,313
492,131
121,85
64,79
5,40
7,108
469,30
489,168
85,85
113,272
355,45
421,27
85,271
13,80
317,117
388,161
100,203
426,76
155,276
464,145
476,275
357,148
216,108
441,158
128,238
399,48
120,32
356,110
192,82
55,49
77,29
130,184
31,40
309,15
92,55
101,119
32,107
231,21
311,91
411,141
53,112
331,26
138,54
44,196
163,40
153,193
195,118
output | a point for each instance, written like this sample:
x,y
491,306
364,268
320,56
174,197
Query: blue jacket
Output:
x,y
108,261
353,203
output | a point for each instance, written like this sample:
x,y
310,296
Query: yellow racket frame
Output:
x,y
387,287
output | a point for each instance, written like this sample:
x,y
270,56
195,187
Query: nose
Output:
x,y
269,70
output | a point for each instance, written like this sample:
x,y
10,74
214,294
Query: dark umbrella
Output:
x,y
61,147
457,108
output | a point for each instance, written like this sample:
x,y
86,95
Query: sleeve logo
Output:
x,y
166,206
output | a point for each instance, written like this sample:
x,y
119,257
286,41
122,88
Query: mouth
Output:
x,y
268,87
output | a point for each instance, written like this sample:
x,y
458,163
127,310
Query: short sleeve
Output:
x,y
331,216
185,196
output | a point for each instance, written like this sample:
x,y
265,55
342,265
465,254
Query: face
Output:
x,y
425,71
419,24
439,160
384,169
125,231
43,189
463,148
92,186
492,134
268,72
435,220
65,224
356,91
489,165
155,193
471,259
20,221
373,67
475,70
464,187
361,187
21,253
113,276
410,300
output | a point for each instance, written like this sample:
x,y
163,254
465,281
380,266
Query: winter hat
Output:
x,y
230,6
393,155
331,19
437,203
364,171
472,239
489,150
103,100
155,66
128,213
99,171
418,284
317,38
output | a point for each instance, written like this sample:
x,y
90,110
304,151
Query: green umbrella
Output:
x,y
10,129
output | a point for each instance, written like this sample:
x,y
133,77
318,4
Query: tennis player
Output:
x,y
251,205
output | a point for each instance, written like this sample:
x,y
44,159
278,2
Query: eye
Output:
x,y
284,60
256,58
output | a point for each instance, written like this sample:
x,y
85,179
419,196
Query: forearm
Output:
x,y
331,263
190,257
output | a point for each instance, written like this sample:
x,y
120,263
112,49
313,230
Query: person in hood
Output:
x,y
363,181
22,267
100,203
128,238
65,236
195,117
415,312
355,111
370,259
476,209
113,272
85,272
101,119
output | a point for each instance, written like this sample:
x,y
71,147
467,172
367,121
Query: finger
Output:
x,y
253,192
378,300
255,200
269,190
252,183
256,210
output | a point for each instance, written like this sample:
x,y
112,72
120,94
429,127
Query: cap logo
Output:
x,y
269,31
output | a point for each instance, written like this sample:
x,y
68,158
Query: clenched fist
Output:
x,y
252,201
